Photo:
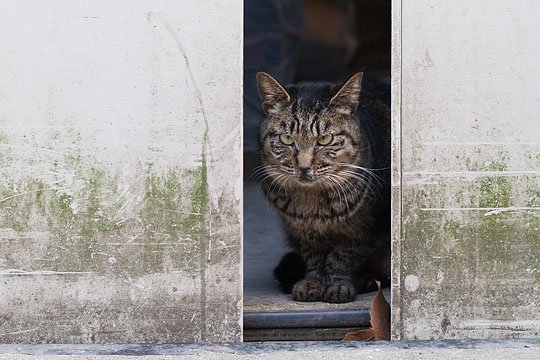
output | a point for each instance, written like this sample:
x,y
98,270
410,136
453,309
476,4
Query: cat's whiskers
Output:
x,y
336,189
258,171
355,173
332,178
289,172
256,177
372,191
362,167
322,170
282,182
367,170
346,182
330,186
275,181
364,181
271,175
288,169
345,193
326,180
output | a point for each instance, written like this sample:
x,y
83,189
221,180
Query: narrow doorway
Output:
x,y
294,41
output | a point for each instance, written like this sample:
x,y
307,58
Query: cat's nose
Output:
x,y
306,171
304,160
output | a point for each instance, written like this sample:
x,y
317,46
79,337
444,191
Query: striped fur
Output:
x,y
333,198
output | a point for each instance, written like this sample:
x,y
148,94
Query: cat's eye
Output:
x,y
325,139
286,139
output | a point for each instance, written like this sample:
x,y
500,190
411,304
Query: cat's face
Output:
x,y
310,131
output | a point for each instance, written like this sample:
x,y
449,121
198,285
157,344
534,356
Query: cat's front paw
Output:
x,y
307,290
340,291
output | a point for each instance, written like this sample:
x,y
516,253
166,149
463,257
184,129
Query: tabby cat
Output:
x,y
326,156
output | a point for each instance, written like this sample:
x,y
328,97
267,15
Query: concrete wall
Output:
x,y
467,166
120,192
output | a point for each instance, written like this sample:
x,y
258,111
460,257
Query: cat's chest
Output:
x,y
301,203
304,208
316,215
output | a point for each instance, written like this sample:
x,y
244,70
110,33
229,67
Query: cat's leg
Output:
x,y
311,287
340,264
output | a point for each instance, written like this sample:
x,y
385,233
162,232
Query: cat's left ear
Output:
x,y
348,97
273,94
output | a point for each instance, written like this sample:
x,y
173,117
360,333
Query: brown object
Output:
x,y
364,334
380,320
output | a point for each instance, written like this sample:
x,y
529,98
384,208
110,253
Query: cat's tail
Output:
x,y
290,270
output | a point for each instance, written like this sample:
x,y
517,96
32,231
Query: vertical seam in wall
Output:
x,y
396,236
241,179
204,238
241,182
400,163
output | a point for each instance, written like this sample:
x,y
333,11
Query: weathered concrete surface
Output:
x,y
120,145
521,349
467,260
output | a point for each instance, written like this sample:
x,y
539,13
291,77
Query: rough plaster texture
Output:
x,y
467,260
120,162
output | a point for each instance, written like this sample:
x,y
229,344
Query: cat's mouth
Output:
x,y
306,177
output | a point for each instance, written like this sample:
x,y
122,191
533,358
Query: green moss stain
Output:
x,y
491,241
532,225
534,199
473,241
84,226
199,198
161,215
496,191
81,220
173,213
496,227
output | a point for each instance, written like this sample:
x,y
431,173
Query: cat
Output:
x,y
325,152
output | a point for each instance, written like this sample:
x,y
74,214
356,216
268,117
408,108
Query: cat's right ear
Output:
x,y
274,96
347,100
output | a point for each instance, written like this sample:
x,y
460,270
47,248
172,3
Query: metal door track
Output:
x,y
303,325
